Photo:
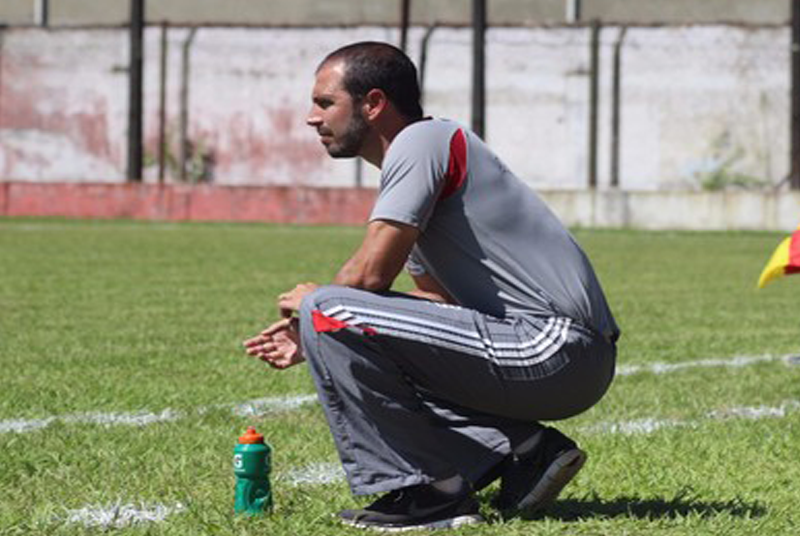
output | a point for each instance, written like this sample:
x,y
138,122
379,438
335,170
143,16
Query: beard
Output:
x,y
351,141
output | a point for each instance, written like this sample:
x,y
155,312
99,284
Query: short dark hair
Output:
x,y
374,65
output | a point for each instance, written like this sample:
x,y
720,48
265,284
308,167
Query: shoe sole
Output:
x,y
452,523
555,478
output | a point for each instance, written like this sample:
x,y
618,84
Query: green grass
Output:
x,y
126,317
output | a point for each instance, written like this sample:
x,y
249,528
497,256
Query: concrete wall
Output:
x,y
718,211
700,103
382,12
688,11
16,12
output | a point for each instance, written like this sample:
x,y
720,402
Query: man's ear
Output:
x,y
374,103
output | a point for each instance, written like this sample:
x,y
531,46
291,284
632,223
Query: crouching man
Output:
x,y
432,395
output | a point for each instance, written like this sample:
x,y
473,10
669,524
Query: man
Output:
x,y
434,395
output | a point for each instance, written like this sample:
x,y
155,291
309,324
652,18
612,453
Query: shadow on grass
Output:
x,y
656,508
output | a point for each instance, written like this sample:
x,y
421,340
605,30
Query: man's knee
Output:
x,y
316,308
321,297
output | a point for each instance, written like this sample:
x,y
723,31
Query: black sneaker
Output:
x,y
533,478
415,507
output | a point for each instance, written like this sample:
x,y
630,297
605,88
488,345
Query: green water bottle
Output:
x,y
251,464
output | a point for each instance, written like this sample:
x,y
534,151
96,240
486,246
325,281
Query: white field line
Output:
x,y
734,362
326,473
315,473
121,515
260,406
649,425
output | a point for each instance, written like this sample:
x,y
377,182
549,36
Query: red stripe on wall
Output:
x,y
178,202
456,166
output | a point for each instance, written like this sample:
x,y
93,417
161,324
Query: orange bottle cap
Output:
x,y
251,436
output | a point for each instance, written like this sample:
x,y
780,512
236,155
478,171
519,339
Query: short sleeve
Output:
x,y
413,175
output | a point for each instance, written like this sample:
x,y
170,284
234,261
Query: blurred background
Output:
x,y
620,111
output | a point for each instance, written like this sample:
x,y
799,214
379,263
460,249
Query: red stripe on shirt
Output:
x,y
456,166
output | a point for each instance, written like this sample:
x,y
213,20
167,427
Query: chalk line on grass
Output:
x,y
260,406
665,368
256,407
326,473
647,425
315,473
119,515
24,425
650,425
756,412
123,514
142,418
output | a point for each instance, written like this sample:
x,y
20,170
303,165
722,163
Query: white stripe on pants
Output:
x,y
415,391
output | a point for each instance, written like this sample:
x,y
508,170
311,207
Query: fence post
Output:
x,y
573,12
794,169
594,101
2,54
42,13
405,15
162,103
184,111
136,79
423,59
616,100
478,67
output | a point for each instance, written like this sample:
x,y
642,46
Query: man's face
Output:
x,y
338,120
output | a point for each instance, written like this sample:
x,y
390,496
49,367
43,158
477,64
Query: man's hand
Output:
x,y
289,302
278,345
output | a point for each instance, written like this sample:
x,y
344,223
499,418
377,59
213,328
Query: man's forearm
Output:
x,y
380,258
430,296
429,288
356,274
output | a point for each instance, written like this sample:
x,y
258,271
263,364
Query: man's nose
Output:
x,y
313,118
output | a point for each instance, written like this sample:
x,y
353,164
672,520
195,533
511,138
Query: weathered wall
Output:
x,y
699,103
63,108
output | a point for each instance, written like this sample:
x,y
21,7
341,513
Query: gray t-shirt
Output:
x,y
485,236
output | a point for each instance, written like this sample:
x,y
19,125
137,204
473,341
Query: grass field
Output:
x,y
124,387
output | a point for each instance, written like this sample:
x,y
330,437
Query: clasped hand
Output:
x,y
279,344
289,302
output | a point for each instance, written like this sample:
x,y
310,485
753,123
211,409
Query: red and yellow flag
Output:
x,y
785,260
